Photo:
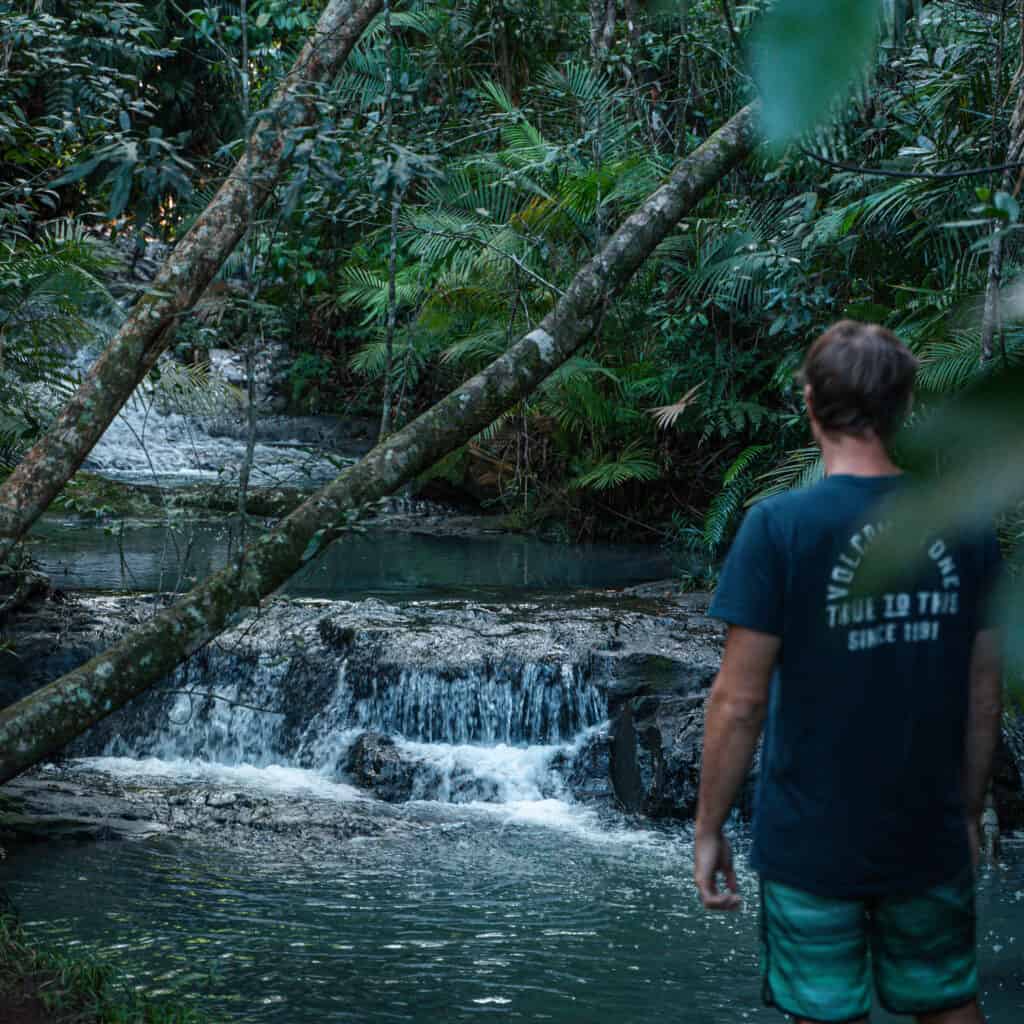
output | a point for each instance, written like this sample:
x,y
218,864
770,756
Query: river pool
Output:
x,y
85,556
535,910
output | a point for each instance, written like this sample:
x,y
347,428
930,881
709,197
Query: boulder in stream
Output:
x,y
656,746
375,763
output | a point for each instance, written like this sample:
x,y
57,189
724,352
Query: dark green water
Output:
x,y
85,556
547,916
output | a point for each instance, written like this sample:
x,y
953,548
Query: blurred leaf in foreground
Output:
x,y
968,455
808,55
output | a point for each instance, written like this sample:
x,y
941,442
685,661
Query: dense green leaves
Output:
x,y
514,151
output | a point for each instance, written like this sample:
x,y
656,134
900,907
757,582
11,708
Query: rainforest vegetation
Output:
x,y
620,228
460,167
556,262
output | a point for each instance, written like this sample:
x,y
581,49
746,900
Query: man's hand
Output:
x,y
712,856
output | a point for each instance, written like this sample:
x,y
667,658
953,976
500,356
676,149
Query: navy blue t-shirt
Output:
x,y
861,789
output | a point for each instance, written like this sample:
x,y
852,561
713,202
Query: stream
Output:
x,y
266,887
154,557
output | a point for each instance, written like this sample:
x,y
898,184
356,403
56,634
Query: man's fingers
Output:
x,y
712,897
726,900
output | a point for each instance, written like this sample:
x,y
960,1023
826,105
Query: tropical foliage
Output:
x,y
470,157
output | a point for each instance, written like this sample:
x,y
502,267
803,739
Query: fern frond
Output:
x,y
634,463
800,467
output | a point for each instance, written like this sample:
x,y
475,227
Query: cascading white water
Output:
x,y
143,445
491,732
536,703
148,443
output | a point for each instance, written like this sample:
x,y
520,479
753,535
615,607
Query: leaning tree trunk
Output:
x,y
46,720
182,279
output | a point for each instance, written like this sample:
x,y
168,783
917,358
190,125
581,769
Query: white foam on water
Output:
x,y
577,820
272,778
520,788
509,773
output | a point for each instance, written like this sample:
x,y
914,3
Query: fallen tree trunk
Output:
x,y
46,720
183,278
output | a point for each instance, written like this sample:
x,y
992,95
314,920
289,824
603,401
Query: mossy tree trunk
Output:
x,y
45,721
183,278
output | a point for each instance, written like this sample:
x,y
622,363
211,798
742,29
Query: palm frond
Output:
x,y
665,416
634,462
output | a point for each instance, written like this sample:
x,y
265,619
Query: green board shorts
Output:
x,y
819,954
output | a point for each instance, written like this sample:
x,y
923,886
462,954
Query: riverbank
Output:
x,y
43,986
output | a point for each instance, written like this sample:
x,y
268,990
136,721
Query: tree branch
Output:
x,y
40,724
144,335
970,172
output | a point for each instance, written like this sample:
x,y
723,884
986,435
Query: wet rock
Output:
x,y
1008,774
645,673
587,771
44,807
375,763
83,803
47,639
657,743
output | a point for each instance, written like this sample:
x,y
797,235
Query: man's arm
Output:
x,y
984,719
733,718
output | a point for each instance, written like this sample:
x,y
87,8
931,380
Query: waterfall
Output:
x,y
495,703
497,730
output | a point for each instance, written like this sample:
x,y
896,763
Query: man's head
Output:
x,y
858,381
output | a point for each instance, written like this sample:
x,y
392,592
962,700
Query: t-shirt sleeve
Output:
x,y
751,588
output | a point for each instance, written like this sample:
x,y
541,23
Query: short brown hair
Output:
x,y
861,378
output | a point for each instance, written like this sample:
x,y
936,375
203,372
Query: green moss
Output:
x,y
87,494
72,990
93,496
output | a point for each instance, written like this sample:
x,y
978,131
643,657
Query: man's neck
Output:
x,y
856,456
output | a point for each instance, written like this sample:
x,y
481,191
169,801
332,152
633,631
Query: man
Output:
x,y
883,712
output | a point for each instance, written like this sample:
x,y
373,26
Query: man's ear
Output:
x,y
809,399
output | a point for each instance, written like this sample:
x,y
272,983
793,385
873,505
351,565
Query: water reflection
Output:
x,y
86,556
